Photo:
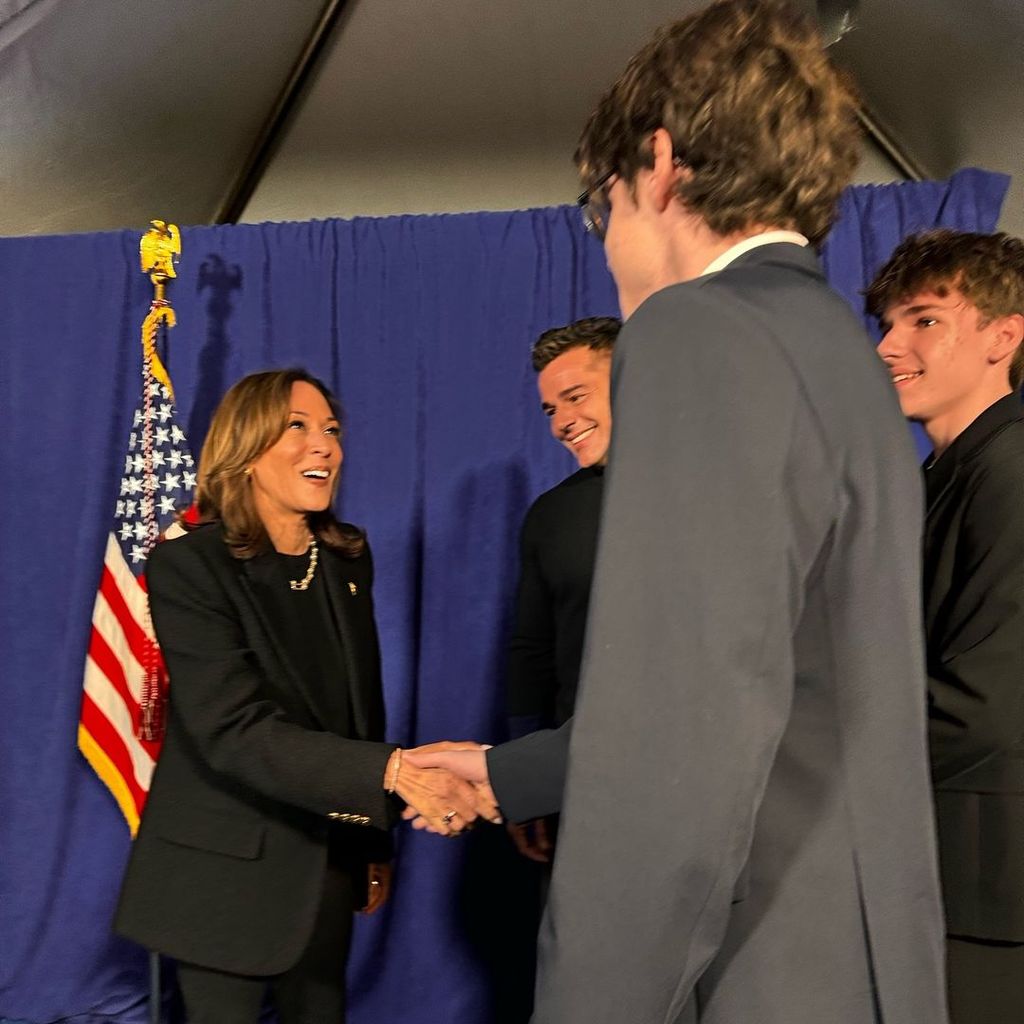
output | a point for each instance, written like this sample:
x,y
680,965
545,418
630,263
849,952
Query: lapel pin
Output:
x,y
353,589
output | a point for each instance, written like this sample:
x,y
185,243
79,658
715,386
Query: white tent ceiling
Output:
x,y
114,111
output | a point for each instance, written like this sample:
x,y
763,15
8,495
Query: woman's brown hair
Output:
x,y
251,417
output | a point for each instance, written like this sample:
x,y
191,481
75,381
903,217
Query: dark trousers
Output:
x,y
311,992
985,980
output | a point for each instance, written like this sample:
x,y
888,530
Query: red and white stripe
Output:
x,y
114,677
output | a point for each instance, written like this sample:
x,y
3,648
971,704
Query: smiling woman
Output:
x,y
267,819
269,467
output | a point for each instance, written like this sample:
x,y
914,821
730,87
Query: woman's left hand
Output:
x,y
378,886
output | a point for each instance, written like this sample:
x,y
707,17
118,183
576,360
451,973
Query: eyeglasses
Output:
x,y
596,207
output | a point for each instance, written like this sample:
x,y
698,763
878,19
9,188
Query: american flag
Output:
x,y
120,729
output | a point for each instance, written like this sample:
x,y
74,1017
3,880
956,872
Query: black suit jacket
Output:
x,y
974,614
228,865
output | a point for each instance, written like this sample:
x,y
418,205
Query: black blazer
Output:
x,y
974,615
228,865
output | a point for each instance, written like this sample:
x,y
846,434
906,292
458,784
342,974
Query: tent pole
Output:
x,y
238,195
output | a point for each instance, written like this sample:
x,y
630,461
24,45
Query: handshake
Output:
x,y
444,785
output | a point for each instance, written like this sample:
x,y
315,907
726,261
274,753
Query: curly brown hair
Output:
x,y
988,270
758,115
597,333
251,417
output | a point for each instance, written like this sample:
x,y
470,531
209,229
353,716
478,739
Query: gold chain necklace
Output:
x,y
304,583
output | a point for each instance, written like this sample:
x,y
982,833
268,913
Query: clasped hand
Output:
x,y
444,785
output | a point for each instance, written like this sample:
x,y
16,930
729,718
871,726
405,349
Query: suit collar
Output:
x,y
340,593
780,254
749,244
940,472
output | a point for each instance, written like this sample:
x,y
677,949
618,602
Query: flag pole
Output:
x,y
159,250
154,988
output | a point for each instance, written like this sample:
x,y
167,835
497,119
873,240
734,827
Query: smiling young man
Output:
x,y
557,547
952,307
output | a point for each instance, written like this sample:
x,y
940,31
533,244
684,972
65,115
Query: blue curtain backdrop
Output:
x,y
422,325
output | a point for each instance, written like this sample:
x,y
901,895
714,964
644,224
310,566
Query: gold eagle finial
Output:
x,y
159,249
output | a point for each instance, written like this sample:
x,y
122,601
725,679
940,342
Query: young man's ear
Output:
x,y
1008,333
666,171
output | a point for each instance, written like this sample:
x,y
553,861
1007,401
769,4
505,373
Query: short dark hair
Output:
x,y
595,332
988,270
764,122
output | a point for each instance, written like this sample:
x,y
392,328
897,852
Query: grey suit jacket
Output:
x,y
749,746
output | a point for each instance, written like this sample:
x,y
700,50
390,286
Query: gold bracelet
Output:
x,y
394,771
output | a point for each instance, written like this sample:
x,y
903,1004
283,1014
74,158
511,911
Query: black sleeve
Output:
x,y
532,673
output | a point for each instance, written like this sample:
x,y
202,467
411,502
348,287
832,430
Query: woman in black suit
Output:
x,y
270,804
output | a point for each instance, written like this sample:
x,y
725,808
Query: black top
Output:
x,y
309,633
557,551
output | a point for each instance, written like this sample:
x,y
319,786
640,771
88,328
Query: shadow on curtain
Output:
x,y
422,325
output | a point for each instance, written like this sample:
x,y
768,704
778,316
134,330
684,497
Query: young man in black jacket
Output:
x,y
952,306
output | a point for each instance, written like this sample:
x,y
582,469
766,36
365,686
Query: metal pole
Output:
x,y
242,188
154,988
903,161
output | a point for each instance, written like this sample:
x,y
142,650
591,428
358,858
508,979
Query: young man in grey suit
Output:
x,y
952,305
747,829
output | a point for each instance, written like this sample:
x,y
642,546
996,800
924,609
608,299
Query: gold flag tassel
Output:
x,y
159,250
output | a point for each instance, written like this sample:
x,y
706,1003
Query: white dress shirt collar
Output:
x,y
737,250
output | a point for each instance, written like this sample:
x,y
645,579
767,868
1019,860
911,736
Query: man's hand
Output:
x,y
378,887
464,760
467,761
532,839
446,803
